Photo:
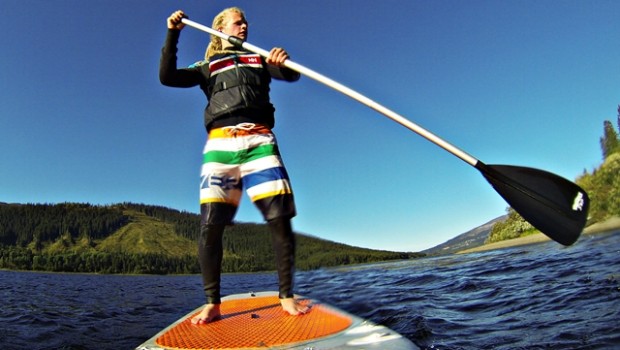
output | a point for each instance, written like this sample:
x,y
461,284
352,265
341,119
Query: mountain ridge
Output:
x,y
470,239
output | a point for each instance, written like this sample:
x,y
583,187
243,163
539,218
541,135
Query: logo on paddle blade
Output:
x,y
578,202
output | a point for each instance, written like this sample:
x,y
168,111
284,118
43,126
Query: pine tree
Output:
x,y
618,121
610,143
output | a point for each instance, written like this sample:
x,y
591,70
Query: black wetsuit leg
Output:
x,y
210,252
213,220
283,241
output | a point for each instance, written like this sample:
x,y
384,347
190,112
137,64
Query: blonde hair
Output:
x,y
215,45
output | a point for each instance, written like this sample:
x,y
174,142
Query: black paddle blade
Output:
x,y
555,206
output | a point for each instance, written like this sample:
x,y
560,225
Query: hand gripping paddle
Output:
x,y
555,206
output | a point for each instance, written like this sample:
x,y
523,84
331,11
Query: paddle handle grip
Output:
x,y
344,90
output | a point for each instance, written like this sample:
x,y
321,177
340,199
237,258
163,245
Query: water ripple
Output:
x,y
534,297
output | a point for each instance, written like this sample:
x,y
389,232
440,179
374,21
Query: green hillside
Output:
x,y
136,238
145,234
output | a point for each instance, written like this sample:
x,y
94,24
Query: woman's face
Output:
x,y
235,25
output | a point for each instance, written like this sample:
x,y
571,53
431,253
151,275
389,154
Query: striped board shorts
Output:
x,y
244,156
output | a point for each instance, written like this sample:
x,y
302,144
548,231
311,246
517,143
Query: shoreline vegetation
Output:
x,y
608,225
354,255
130,238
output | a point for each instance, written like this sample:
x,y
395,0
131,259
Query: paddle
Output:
x,y
555,206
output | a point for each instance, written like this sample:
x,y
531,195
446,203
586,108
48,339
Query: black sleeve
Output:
x,y
283,73
169,75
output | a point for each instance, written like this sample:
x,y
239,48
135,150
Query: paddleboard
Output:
x,y
256,321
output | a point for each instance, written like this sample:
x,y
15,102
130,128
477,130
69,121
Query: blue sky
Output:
x,y
83,117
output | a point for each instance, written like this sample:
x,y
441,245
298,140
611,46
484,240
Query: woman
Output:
x,y
241,152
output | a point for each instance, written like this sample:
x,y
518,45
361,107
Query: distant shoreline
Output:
x,y
605,226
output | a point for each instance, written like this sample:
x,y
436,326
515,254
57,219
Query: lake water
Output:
x,y
541,296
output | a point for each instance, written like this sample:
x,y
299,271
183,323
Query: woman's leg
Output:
x,y
283,240
210,252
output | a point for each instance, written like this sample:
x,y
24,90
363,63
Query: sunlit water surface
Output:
x,y
541,296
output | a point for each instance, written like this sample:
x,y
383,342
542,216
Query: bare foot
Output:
x,y
294,308
211,312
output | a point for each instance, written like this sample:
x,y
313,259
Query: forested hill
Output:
x,y
136,238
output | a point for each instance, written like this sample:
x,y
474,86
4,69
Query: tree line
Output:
x,y
20,258
21,225
66,237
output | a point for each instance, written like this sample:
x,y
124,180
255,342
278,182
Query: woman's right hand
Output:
x,y
174,21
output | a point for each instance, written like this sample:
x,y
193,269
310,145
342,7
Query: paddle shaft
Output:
x,y
345,90
556,206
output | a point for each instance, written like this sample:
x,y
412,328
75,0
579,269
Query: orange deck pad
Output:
x,y
253,323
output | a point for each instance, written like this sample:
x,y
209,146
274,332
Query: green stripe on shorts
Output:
x,y
240,157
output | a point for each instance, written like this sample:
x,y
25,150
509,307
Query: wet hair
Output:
x,y
215,45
